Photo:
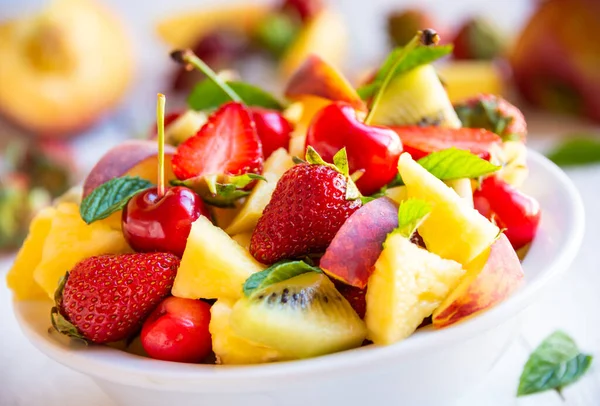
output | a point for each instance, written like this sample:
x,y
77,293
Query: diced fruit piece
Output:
x,y
402,25
93,303
421,141
246,219
416,97
70,241
492,277
184,126
515,212
226,145
453,230
307,208
305,9
301,317
273,130
177,330
323,35
20,277
478,38
464,79
243,239
133,158
316,77
463,188
223,216
231,349
513,159
355,296
301,113
408,283
397,194
213,266
357,245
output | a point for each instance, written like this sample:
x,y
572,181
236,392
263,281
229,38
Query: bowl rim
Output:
x,y
118,366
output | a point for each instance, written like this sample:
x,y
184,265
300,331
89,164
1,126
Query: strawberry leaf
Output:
x,y
554,364
340,164
111,197
411,214
220,194
456,163
278,272
207,95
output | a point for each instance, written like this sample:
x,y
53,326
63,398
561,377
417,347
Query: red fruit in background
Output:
x,y
177,330
161,224
272,128
478,38
306,210
372,149
305,9
106,298
355,296
226,145
421,141
511,209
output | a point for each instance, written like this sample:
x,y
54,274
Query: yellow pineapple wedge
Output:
x,y
301,114
228,347
20,277
69,241
279,162
243,239
453,229
407,284
463,188
213,265
184,127
397,193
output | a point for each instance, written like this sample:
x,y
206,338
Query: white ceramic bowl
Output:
x,y
429,368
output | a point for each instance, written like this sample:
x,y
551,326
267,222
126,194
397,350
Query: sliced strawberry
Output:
x,y
226,145
421,141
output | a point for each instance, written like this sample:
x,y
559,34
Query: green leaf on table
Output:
x,y
411,214
417,57
554,364
576,151
111,197
278,272
207,95
456,163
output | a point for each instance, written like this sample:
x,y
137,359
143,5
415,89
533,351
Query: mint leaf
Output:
x,y
111,197
456,163
411,214
554,364
278,272
417,57
207,95
576,151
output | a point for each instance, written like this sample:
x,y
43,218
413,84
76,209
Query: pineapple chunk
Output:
x,y
228,347
275,166
407,284
301,114
184,127
70,241
213,266
397,193
243,239
453,230
514,163
20,277
463,188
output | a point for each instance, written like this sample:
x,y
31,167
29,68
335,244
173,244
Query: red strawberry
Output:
x,y
355,296
107,298
421,141
494,114
309,205
226,145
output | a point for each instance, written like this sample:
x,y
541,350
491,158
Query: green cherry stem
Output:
x,y
160,126
187,58
426,37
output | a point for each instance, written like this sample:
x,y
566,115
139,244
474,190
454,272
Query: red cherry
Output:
x,y
177,330
152,224
305,9
373,149
272,128
511,209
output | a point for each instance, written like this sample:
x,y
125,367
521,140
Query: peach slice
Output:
x,y
301,114
357,245
317,77
492,277
133,158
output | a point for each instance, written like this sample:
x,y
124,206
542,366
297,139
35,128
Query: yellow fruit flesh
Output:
x,y
301,114
407,284
70,241
397,193
453,230
274,168
465,79
243,239
20,277
229,348
184,127
213,265
463,188
513,158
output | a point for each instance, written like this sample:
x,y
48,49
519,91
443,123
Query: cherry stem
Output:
x,y
160,126
189,59
426,37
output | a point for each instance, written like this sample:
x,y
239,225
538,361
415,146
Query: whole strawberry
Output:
x,y
107,298
309,205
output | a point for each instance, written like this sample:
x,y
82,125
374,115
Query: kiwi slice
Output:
x,y
416,97
301,317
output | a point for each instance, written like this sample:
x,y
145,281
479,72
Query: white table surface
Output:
x,y
28,378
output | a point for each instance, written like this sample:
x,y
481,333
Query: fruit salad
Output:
x,y
256,230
